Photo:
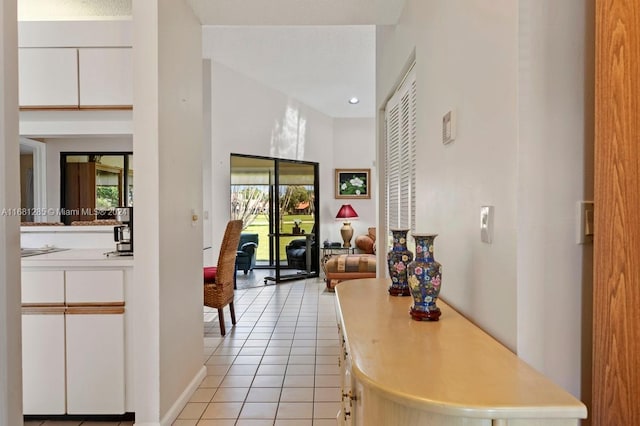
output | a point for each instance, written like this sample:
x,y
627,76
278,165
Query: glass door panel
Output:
x,y
276,199
252,181
296,217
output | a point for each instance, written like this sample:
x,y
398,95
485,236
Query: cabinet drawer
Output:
x,y
93,287
43,287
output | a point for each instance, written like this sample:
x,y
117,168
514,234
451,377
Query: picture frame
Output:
x,y
353,183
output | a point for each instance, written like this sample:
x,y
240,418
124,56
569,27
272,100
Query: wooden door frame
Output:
x,y
616,289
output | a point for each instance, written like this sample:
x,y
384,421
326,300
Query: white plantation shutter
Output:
x,y
392,199
400,124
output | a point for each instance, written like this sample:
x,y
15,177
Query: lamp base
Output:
x,y
347,233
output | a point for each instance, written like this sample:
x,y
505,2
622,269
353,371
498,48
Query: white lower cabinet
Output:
x,y
43,363
73,342
95,363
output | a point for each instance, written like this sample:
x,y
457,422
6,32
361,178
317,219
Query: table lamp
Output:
x,y
346,212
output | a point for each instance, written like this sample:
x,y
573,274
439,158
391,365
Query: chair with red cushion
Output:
x,y
219,280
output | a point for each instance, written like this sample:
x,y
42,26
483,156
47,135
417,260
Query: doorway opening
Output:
x,y
276,199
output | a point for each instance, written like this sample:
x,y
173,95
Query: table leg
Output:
x,y
307,242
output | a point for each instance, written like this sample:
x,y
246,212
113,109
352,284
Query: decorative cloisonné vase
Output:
x,y
425,280
398,258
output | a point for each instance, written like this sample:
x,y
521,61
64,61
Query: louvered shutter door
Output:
x,y
393,166
400,124
412,154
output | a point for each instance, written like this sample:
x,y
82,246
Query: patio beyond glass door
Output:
x,y
276,199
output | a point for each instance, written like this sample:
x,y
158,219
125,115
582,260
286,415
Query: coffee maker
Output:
x,y
123,234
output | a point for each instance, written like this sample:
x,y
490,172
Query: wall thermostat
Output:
x,y
449,127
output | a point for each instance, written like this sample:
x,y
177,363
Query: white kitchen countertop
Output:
x,y
102,229
77,257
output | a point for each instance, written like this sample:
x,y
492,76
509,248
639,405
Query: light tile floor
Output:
x,y
277,366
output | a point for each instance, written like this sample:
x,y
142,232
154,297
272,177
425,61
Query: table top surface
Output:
x,y
450,366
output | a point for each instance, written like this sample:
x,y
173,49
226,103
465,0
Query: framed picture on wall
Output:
x,y
353,183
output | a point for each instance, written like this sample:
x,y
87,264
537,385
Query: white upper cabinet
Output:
x,y
48,77
83,77
106,76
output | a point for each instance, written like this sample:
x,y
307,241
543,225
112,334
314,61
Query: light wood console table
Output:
x,y
397,371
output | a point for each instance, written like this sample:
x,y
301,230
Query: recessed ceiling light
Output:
x,y
354,100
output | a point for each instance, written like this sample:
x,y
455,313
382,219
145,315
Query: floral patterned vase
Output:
x,y
398,258
425,276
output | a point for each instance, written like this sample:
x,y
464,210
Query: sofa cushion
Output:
x,y
367,242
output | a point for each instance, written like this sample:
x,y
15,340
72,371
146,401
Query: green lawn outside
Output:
x,y
260,226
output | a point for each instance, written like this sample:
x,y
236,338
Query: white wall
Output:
x,y
82,237
40,31
478,71
248,117
479,80
555,160
168,264
207,223
42,124
354,148
10,312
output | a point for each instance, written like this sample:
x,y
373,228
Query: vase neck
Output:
x,y
424,248
399,240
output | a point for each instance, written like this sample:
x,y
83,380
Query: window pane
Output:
x,y
93,185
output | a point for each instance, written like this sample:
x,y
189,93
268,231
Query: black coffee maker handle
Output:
x,y
116,233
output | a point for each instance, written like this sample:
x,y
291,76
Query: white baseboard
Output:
x,y
177,406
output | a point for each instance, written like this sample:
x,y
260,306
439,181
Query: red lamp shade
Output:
x,y
346,212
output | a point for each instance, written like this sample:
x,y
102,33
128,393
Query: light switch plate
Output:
x,y
486,224
584,231
449,127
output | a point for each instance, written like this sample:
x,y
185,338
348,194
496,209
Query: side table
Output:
x,y
330,250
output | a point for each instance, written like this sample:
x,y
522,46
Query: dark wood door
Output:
x,y
616,295
80,191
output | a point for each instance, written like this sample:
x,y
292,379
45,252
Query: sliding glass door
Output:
x,y
277,199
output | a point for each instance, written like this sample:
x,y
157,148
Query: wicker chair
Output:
x,y
218,280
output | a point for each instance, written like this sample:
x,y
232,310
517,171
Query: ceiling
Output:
x,y
297,12
320,66
321,52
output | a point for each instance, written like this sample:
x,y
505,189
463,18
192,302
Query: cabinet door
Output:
x,y
48,77
106,76
80,191
43,370
95,362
